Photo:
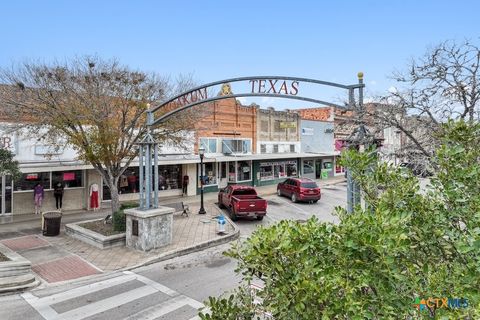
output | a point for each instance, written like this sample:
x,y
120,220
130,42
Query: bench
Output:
x,y
179,207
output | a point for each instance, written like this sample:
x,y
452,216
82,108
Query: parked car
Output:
x,y
300,189
242,201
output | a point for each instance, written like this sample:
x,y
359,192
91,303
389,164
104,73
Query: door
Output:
x,y
318,168
222,174
6,194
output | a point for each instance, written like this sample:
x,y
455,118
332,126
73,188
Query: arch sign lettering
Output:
x,y
258,86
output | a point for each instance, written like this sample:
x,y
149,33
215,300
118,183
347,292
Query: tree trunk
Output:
x,y
114,195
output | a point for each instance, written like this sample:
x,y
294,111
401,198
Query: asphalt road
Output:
x,y
172,289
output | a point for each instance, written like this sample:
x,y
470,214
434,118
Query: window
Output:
x,y
210,144
266,172
28,181
243,171
69,179
291,169
169,177
292,148
275,148
209,174
236,146
263,148
308,166
278,170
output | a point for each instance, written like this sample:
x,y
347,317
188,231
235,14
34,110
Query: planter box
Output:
x,y
93,238
15,274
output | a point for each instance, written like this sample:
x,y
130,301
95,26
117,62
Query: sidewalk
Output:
x,y
62,258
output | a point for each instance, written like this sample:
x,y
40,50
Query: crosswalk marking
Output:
x,y
164,308
43,305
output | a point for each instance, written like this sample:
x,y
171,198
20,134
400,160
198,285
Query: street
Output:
x,y
172,289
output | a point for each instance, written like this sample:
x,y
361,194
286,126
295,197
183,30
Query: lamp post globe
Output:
x,y
201,152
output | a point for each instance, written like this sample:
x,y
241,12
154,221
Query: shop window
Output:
x,y
244,171
29,180
169,177
291,168
209,174
279,170
129,181
69,179
210,144
308,166
266,172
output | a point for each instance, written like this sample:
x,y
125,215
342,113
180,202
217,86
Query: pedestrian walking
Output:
x,y
58,193
38,194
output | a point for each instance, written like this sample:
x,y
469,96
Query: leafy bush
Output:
x,y
119,219
404,245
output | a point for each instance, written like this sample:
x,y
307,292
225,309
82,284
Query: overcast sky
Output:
x,y
215,40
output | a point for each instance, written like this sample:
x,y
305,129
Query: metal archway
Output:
x,y
278,87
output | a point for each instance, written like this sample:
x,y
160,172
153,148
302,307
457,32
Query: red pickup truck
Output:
x,y
242,201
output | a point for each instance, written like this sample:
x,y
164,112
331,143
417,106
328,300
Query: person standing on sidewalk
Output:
x,y
58,193
185,185
38,194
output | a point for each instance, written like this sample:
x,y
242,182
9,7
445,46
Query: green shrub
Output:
x,y
119,221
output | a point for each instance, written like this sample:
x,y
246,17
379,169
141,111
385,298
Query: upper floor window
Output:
x,y
263,148
209,144
236,146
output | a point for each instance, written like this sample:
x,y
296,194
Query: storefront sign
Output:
x,y
287,125
275,86
307,131
264,164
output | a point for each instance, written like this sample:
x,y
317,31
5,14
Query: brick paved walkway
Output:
x,y
187,231
24,243
67,268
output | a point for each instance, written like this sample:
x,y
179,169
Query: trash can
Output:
x,y
51,223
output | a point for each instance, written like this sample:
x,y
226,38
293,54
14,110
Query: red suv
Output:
x,y
299,189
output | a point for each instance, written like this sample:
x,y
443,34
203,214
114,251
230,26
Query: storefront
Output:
x,y
220,174
318,168
21,199
273,171
169,182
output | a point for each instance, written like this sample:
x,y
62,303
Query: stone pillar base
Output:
x,y
149,229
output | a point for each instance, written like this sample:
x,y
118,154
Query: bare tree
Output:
x,y
443,84
97,106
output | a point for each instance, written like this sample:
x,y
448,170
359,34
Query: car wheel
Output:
x,y
279,193
315,201
259,218
220,204
233,216
294,197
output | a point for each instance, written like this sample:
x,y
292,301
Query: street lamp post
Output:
x,y
201,152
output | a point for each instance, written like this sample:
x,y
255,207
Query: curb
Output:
x,y
195,248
